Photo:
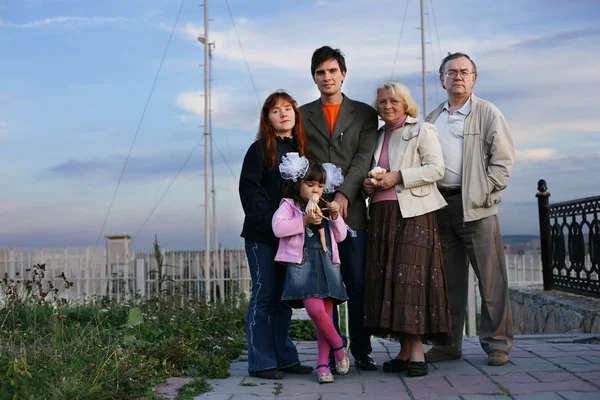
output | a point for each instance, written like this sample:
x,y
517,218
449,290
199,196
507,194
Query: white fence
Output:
x,y
91,277
183,274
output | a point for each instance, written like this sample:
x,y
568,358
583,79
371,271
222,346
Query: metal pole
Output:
x,y
216,254
543,197
471,305
206,157
423,60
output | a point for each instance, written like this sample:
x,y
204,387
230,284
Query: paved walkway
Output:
x,y
541,367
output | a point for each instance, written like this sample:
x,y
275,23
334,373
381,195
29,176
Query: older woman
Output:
x,y
271,352
405,294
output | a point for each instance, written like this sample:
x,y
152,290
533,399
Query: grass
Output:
x,y
50,349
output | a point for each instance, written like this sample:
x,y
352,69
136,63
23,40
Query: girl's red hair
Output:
x,y
266,135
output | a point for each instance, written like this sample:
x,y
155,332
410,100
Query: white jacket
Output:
x,y
415,151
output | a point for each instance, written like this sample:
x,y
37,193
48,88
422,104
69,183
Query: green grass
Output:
x,y
106,350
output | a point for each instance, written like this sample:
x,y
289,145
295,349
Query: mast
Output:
x,y
206,157
219,273
423,60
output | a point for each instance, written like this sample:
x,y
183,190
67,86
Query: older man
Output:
x,y
479,156
344,132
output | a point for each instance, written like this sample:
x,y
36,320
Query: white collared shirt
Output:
x,y
450,127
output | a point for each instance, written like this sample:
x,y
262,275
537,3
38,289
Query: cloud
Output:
x,y
192,102
3,128
244,115
74,20
93,134
141,168
558,39
569,177
535,155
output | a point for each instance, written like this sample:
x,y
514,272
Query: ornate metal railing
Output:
x,y
570,241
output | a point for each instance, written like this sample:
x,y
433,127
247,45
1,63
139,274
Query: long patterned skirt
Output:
x,y
405,283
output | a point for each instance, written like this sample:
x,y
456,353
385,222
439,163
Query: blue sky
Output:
x,y
75,76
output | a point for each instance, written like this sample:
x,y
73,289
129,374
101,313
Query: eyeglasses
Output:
x,y
453,74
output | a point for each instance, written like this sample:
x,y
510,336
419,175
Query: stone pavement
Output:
x,y
540,367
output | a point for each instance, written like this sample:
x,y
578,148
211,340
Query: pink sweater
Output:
x,y
384,162
289,228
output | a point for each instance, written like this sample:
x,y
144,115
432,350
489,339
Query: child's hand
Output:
x,y
312,218
334,209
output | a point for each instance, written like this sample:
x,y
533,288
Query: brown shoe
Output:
x,y
497,358
435,355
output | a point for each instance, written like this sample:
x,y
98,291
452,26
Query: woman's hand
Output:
x,y
334,209
389,180
368,186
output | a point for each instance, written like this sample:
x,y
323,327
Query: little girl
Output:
x,y
313,277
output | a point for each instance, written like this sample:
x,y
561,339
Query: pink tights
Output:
x,y
321,313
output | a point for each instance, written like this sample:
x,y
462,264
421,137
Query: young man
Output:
x,y
344,132
479,156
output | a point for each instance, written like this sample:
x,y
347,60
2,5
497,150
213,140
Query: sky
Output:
x,y
95,123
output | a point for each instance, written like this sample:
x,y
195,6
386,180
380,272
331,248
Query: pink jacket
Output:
x,y
288,227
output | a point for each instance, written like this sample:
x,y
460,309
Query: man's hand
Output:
x,y
368,186
342,200
389,180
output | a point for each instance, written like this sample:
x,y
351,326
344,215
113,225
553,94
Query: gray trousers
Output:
x,y
480,243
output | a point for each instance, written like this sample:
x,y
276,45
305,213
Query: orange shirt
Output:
x,y
331,113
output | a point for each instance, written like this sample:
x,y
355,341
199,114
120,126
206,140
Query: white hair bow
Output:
x,y
293,166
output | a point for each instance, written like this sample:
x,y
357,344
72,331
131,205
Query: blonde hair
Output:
x,y
399,89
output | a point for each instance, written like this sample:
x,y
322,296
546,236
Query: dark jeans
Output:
x,y
268,319
352,257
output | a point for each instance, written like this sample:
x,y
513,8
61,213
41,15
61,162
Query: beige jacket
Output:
x,y
488,158
415,151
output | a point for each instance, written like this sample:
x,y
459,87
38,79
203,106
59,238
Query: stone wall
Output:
x,y
539,312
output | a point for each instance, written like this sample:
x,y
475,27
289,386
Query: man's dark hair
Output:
x,y
325,53
452,56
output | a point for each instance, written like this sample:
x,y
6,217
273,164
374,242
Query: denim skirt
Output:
x,y
316,276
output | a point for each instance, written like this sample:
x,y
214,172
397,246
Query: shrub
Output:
x,y
303,330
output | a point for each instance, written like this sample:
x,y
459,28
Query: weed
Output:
x,y
160,275
277,388
102,349
108,350
190,390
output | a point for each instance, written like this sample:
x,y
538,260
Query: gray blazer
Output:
x,y
350,147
